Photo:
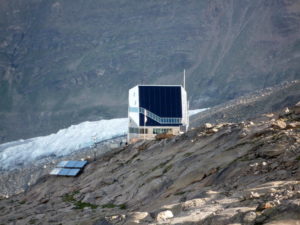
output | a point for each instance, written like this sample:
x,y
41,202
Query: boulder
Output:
x,y
269,115
249,217
279,124
164,216
293,125
191,204
296,108
136,217
208,125
212,131
265,205
254,195
271,150
243,134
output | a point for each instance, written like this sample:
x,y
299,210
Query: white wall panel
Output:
x,y
185,116
134,102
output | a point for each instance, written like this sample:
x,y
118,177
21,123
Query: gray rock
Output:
x,y
293,125
272,150
249,217
102,222
296,108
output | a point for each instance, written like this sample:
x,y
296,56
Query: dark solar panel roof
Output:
x,y
164,101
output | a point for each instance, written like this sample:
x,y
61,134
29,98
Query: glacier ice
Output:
x,y
64,142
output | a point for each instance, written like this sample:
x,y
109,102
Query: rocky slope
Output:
x,y
245,173
251,106
63,62
19,178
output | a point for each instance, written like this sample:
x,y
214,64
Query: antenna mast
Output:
x,y
184,78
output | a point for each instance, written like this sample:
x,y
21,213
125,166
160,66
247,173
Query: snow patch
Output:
x,y
195,111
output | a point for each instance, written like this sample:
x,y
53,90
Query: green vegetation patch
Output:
x,y
111,206
187,154
22,202
123,206
69,197
180,193
159,166
82,205
167,168
77,204
243,158
32,221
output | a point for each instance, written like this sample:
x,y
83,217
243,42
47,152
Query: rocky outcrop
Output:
x,y
200,177
248,107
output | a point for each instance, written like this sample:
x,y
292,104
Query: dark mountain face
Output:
x,y
62,62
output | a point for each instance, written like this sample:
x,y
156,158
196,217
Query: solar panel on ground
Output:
x,y
55,171
81,164
63,172
72,164
68,168
73,172
62,163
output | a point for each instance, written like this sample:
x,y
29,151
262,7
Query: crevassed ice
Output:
x,y
64,142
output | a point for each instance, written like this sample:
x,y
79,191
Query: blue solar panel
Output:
x,y
68,168
73,172
81,164
63,172
72,164
55,171
62,164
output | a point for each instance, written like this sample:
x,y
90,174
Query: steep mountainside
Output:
x,y
63,62
246,173
251,106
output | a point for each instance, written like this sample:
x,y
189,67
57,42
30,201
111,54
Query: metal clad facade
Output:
x,y
164,101
134,103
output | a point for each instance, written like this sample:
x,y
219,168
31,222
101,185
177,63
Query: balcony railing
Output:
x,y
153,116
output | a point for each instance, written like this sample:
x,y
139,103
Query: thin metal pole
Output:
x,y
184,78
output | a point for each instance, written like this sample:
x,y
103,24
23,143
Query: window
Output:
x,y
161,130
133,109
143,131
135,130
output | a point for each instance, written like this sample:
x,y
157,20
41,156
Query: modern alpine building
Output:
x,y
156,109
